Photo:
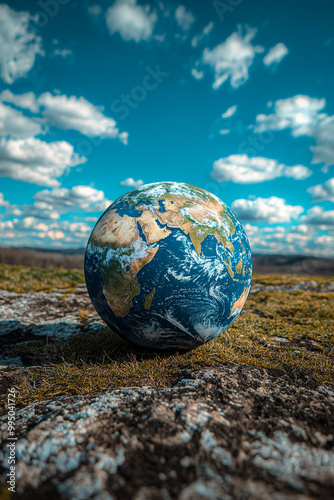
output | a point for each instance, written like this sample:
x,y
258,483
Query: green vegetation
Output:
x,y
21,279
284,332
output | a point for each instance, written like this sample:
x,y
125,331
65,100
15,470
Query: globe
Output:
x,y
168,266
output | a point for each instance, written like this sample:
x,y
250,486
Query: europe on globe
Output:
x,y
168,266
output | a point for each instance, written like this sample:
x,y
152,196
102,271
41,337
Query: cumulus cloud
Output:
x,y
318,216
131,182
245,170
198,38
123,137
31,231
14,124
132,21
184,17
271,209
24,101
3,202
303,115
32,160
275,54
232,58
67,113
78,198
230,112
298,240
76,114
299,113
323,151
323,192
19,44
198,75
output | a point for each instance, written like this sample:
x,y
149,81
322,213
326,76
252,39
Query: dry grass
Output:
x,y
34,279
98,362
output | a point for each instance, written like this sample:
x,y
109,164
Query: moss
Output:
x,y
21,279
88,364
288,279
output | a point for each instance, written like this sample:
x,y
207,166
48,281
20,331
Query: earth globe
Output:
x,y
168,266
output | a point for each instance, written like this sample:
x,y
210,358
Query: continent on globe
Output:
x,y
168,266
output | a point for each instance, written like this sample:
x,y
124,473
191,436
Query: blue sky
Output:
x,y
235,97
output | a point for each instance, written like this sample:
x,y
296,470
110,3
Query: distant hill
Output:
x,y
293,264
45,258
74,259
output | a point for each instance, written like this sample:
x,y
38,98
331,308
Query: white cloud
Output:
x,y
78,198
31,231
49,204
32,160
39,210
14,124
323,192
184,17
224,131
323,151
198,75
275,54
230,112
245,170
19,45
3,202
198,38
63,52
130,20
131,182
123,137
302,114
301,228
76,114
318,216
297,240
271,209
67,112
24,101
232,58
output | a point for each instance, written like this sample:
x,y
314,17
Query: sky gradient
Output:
x,y
235,97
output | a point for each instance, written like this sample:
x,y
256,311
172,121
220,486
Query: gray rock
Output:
x,y
186,442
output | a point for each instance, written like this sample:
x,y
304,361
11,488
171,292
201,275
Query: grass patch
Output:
x,y
288,279
34,279
102,361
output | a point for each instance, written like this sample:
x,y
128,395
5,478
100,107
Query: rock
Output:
x,y
55,315
186,442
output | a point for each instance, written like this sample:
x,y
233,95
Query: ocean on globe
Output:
x,y
168,266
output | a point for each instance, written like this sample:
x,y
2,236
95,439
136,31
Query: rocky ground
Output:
x,y
58,315
227,431
232,433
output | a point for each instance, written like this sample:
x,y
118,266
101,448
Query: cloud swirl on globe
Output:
x,y
168,266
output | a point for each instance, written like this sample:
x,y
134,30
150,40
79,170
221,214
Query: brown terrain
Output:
x,y
249,416
74,259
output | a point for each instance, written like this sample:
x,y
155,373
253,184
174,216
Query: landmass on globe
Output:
x,y
168,265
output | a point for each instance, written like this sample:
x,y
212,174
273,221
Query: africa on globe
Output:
x,y
168,266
